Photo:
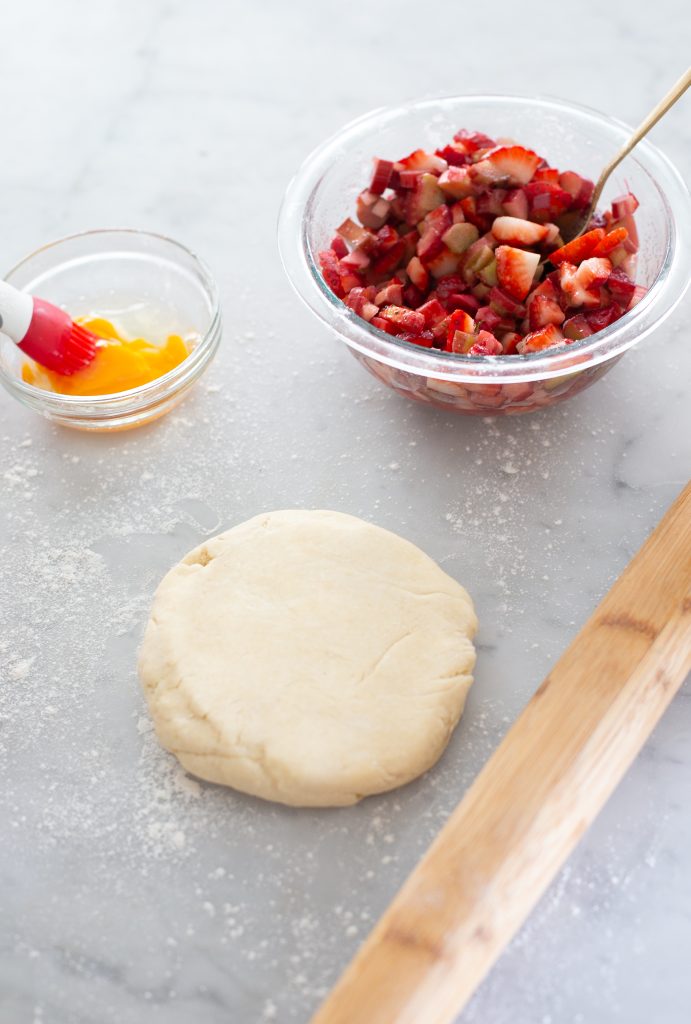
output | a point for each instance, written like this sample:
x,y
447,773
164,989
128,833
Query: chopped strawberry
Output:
x,y
433,312
381,176
389,260
579,249
357,300
403,319
456,182
372,210
515,231
383,325
536,341
486,345
512,164
446,286
443,264
328,262
610,242
470,211
542,311
547,174
473,140
578,283
458,321
420,160
516,270
491,201
455,154
339,246
509,340
412,296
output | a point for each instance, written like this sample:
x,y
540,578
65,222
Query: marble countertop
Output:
x,y
128,892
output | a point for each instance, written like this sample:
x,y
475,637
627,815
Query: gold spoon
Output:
x,y
580,223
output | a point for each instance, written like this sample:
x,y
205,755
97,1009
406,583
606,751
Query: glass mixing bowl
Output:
x,y
151,285
572,137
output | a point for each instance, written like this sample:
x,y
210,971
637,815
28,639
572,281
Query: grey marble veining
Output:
x,y
128,893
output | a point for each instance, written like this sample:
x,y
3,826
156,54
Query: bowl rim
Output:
x,y
135,398
306,279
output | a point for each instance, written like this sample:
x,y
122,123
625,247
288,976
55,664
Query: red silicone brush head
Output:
x,y
55,341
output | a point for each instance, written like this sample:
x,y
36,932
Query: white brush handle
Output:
x,y
16,311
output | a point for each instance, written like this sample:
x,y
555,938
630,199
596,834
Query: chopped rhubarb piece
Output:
x,y
372,210
381,176
547,201
638,294
446,286
576,328
488,318
418,274
425,339
486,345
356,236
457,215
339,246
515,231
620,287
504,304
624,205
579,249
460,237
355,260
461,343
408,320
408,179
536,341
598,319
491,201
516,270
412,296
463,300
422,198
516,203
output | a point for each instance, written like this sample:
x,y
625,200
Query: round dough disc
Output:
x,y
308,657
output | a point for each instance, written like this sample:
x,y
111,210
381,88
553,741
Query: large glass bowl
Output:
x,y
150,285
568,136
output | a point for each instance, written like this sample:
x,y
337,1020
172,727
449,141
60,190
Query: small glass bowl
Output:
x,y
151,285
570,137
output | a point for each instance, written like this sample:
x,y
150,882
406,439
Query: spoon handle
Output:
x,y
677,90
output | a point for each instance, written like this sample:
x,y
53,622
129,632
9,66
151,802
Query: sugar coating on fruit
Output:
x,y
308,657
478,226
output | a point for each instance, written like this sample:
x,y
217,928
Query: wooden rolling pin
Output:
x,y
534,799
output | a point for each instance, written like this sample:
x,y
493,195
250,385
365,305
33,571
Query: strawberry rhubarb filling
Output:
x,y
463,250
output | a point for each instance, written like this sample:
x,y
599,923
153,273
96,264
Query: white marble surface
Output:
x,y
127,893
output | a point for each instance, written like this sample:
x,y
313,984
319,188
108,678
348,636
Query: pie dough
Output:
x,y
308,657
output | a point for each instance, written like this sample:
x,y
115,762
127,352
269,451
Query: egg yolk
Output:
x,y
120,363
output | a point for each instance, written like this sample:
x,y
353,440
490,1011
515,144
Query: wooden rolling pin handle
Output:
x,y
537,794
